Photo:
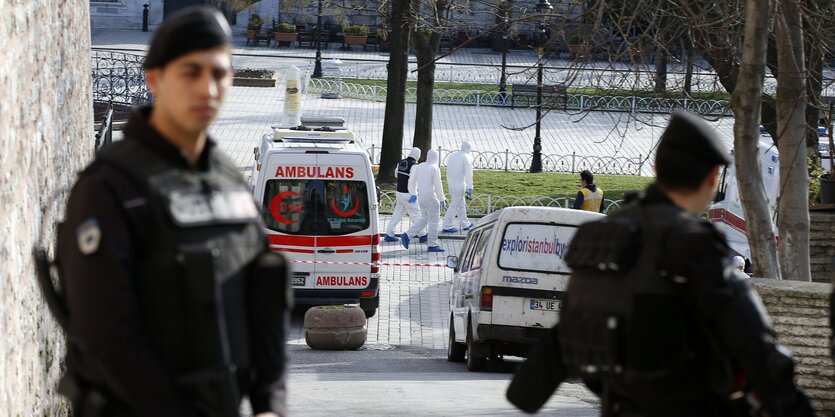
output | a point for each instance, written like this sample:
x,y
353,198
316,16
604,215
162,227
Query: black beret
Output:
x,y
690,140
191,29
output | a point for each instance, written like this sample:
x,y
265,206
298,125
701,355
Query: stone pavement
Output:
x,y
250,112
481,64
414,301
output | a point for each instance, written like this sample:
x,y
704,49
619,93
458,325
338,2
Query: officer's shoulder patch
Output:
x,y
89,236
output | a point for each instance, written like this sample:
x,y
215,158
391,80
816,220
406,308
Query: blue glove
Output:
x,y
412,199
469,192
443,205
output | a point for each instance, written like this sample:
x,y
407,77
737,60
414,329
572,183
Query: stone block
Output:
x,y
335,327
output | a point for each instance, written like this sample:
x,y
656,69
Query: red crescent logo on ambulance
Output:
x,y
278,203
348,213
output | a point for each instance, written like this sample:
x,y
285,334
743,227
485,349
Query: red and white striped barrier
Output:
x,y
368,263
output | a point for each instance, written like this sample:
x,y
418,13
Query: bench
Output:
x,y
528,92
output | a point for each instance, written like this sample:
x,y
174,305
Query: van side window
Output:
x,y
478,253
466,254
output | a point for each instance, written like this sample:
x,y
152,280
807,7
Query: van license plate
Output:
x,y
297,281
545,305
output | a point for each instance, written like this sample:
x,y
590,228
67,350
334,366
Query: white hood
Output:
x,y
425,180
414,153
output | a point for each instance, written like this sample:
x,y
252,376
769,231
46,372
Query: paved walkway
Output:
x,y
250,112
482,65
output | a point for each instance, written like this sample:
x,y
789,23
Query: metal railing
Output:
x,y
104,135
483,204
569,102
119,78
519,162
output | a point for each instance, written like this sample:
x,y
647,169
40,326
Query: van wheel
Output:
x,y
475,362
455,351
369,313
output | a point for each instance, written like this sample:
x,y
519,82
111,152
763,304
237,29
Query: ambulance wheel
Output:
x,y
455,351
369,312
475,362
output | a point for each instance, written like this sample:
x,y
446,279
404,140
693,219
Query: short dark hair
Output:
x,y
587,176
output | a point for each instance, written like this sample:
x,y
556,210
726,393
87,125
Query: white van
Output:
x,y
508,282
318,201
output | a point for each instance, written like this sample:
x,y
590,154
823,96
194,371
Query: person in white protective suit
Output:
x,y
403,173
426,188
459,177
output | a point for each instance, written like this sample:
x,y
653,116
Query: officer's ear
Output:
x,y
713,177
152,78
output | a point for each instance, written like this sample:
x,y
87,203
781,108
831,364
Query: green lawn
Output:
x,y
550,184
571,90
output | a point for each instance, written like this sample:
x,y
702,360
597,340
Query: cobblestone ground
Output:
x,y
414,301
250,112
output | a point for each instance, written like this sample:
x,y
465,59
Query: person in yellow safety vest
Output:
x,y
590,196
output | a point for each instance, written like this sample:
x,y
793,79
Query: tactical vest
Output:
x,y
624,326
197,234
404,168
592,199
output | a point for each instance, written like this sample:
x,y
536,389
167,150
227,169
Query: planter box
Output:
x,y
253,82
356,39
286,37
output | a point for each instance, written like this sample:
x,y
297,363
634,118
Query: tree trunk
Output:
x,y
392,149
747,101
661,69
793,202
426,47
688,72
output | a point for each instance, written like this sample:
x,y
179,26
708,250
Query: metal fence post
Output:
x,y
477,98
372,153
573,155
640,164
489,204
582,101
506,158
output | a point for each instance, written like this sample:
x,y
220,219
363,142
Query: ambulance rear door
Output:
x,y
285,208
344,244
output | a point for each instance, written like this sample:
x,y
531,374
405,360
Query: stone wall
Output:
x,y
45,137
800,311
822,245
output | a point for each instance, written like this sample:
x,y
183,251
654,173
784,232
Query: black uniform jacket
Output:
x,y
97,259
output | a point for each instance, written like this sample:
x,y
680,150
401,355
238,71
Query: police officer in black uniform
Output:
x,y
404,202
176,306
655,319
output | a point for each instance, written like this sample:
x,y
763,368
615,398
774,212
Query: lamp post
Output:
x,y
542,8
317,68
503,79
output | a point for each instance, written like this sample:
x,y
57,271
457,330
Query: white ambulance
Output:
x,y
726,211
509,281
319,205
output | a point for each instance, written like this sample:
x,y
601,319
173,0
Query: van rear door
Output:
x,y
533,274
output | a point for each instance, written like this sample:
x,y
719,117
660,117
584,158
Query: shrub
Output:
x,y
254,21
355,30
286,28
